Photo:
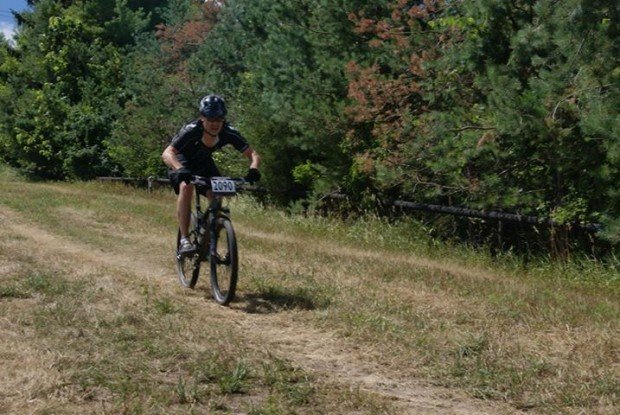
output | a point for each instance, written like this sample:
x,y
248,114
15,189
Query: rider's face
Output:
x,y
212,125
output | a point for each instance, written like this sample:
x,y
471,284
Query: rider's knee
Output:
x,y
185,189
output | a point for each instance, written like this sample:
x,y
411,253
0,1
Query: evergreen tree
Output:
x,y
493,104
160,93
282,63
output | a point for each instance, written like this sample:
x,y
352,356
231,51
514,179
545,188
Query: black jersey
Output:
x,y
192,152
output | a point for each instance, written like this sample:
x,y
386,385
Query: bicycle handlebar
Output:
x,y
206,181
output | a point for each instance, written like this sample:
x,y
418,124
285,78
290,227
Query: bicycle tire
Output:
x,y
187,264
224,261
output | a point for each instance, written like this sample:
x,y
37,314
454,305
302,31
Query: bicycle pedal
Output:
x,y
187,253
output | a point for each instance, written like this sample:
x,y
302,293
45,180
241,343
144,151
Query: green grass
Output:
x,y
540,336
117,341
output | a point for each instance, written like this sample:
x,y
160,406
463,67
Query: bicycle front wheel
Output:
x,y
224,262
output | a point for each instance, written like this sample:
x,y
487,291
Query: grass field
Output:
x,y
331,318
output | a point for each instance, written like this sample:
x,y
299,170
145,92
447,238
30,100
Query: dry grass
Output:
x,y
327,321
91,322
539,344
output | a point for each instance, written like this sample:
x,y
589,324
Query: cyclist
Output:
x,y
189,153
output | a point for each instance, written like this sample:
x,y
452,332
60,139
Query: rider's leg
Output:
x,y
184,202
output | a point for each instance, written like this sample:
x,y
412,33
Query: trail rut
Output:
x,y
284,334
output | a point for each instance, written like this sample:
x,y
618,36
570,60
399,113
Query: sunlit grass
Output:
x,y
112,340
540,336
507,329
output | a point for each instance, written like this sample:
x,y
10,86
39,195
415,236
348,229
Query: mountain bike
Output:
x,y
212,233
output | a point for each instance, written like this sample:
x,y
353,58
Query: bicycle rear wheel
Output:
x,y
188,265
224,262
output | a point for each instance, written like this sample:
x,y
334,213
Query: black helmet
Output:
x,y
213,106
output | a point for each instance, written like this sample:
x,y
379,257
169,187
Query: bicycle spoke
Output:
x,y
224,264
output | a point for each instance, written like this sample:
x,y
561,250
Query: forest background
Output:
x,y
508,105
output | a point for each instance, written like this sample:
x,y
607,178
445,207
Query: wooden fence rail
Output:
x,y
402,204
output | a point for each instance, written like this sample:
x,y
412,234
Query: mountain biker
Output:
x,y
189,153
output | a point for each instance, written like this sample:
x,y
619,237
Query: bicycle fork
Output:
x,y
212,234
214,215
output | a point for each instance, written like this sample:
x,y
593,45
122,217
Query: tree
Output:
x,y
67,86
160,93
492,104
281,63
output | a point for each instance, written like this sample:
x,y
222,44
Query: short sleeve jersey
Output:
x,y
192,152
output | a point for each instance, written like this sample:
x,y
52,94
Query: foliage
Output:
x,y
65,91
281,65
486,104
492,104
159,94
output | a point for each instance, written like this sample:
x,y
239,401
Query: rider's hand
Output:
x,y
253,175
181,175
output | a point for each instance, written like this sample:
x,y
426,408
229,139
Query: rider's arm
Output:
x,y
253,157
185,136
169,156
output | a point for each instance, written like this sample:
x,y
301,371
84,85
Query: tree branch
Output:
x,y
471,127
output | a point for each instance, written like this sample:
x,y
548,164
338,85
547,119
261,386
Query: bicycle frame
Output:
x,y
221,249
207,218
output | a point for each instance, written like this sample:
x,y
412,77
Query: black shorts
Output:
x,y
206,170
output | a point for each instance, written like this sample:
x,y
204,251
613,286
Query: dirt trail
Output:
x,y
283,334
336,360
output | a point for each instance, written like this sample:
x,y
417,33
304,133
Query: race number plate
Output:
x,y
223,186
